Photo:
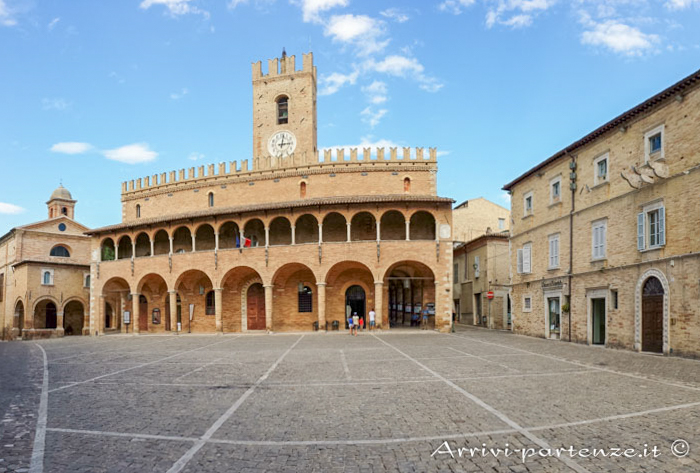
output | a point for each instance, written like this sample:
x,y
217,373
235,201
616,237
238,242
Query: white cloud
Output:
x,y
361,31
681,4
403,66
58,103
131,154
52,24
71,147
505,197
6,18
195,156
516,13
619,38
10,209
331,83
175,7
179,95
455,6
373,117
395,14
234,3
311,9
376,92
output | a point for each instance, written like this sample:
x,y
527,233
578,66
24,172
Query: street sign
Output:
x,y
489,295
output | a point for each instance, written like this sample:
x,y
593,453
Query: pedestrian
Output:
x,y
350,323
355,322
362,323
372,317
425,319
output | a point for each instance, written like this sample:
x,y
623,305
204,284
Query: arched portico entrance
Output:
x,y
18,322
350,284
73,318
255,307
45,315
411,288
355,303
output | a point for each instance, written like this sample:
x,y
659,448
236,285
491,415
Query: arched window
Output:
x,y
407,184
305,299
47,277
61,251
282,110
64,210
211,303
87,280
211,199
138,210
50,213
302,190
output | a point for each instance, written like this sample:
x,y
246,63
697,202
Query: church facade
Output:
x,y
293,240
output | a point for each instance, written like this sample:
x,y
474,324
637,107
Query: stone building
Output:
x,y
475,217
290,241
45,275
604,245
480,266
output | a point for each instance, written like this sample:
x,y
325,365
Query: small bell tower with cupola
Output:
x,y
61,203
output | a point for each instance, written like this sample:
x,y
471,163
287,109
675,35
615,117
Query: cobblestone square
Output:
x,y
331,402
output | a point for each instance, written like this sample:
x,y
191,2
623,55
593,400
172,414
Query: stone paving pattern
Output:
x,y
338,403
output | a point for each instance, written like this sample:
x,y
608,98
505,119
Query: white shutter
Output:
x,y
556,253
520,261
526,259
662,226
640,231
477,267
595,242
602,240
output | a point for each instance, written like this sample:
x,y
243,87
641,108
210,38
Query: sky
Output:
x,y
94,93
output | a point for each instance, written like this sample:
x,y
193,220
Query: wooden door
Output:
x,y
652,323
598,310
143,314
255,304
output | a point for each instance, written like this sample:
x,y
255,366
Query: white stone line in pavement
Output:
x,y
198,369
504,418
585,365
139,366
168,339
483,359
345,365
182,462
372,441
37,462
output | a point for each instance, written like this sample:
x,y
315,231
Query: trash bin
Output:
x,y
336,325
316,326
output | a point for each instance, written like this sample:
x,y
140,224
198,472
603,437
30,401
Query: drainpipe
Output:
x,y
572,186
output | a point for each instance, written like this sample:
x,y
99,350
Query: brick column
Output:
x,y
321,305
59,323
218,310
349,233
268,306
294,235
378,301
172,295
408,230
119,316
100,316
135,307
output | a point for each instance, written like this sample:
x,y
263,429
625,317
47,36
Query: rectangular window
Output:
x,y
306,300
477,266
601,169
654,143
599,239
554,251
527,204
86,280
555,190
527,303
524,259
501,223
651,227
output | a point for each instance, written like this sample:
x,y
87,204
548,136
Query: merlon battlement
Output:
x,y
283,66
376,158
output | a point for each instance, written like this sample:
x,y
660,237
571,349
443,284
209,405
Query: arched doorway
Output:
x,y
355,301
19,319
143,313
108,315
73,318
652,316
50,315
256,307
411,290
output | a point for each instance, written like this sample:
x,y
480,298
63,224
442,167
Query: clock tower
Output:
x,y
284,108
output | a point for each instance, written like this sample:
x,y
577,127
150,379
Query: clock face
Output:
x,y
282,143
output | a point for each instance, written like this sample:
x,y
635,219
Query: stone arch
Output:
x,y
235,284
154,288
393,225
18,320
254,230
45,313
73,316
125,250
116,294
161,242
204,238
338,279
280,231
408,283
422,226
182,240
143,245
290,282
61,250
107,249
334,227
306,229
363,227
229,235
192,285
649,273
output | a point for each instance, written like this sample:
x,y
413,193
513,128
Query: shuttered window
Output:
x,y
553,251
651,227
599,240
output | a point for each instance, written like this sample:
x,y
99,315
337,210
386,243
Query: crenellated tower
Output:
x,y
284,109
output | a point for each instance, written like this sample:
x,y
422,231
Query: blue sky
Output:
x,y
94,93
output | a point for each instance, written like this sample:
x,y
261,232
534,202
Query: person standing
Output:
x,y
372,317
350,323
355,322
425,319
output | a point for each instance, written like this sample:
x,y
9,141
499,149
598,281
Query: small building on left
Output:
x,y
45,275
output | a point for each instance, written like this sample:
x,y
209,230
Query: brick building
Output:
x,y
292,239
475,217
604,245
45,275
